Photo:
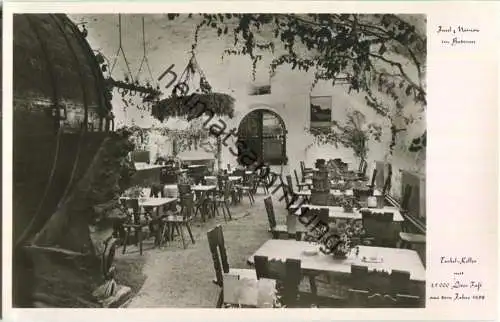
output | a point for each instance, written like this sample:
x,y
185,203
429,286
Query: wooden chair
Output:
x,y
363,165
134,223
221,183
156,191
179,220
247,189
305,171
388,182
399,282
217,247
373,183
301,185
183,189
406,238
377,226
276,230
288,274
224,200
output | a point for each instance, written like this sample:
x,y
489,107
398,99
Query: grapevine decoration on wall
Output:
x,y
381,56
354,134
194,137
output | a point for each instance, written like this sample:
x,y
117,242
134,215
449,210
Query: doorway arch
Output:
x,y
264,133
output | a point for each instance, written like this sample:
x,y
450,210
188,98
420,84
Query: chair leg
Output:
x,y
125,240
220,300
221,205
216,209
182,235
188,227
228,212
139,236
172,231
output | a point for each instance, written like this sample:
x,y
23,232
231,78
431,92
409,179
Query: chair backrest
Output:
x,y
250,180
131,205
388,182
387,217
321,213
374,177
219,254
296,177
187,205
359,274
286,192
221,181
288,273
268,202
289,182
406,198
302,167
239,173
376,225
228,187
362,167
400,282
156,191
184,188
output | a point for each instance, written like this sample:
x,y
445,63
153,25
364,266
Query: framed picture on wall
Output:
x,y
321,112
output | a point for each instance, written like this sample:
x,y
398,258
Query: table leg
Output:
x,y
203,201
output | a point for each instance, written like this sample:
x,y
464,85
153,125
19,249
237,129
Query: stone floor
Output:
x,y
177,277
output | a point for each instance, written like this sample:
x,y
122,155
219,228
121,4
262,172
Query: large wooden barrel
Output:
x,y
59,115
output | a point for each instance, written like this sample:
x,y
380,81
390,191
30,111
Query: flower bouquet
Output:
x,y
134,192
346,237
348,203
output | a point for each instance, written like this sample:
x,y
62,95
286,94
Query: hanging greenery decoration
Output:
x,y
203,100
196,104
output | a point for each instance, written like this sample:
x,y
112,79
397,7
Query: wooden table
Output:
x,y
392,258
338,212
335,192
334,212
203,192
151,203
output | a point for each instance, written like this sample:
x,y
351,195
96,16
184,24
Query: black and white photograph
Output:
x,y
219,160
